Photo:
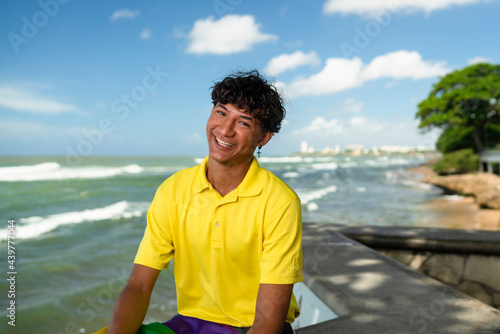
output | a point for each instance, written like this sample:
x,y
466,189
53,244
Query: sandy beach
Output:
x,y
453,211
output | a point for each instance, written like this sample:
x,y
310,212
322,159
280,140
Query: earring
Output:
x,y
258,152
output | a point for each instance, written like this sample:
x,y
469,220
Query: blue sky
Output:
x,y
132,77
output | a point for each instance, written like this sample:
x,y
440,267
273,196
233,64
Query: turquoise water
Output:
x,y
79,226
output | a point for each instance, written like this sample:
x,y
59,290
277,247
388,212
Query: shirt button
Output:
x,y
217,224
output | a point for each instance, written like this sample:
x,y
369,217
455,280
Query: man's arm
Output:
x,y
273,301
133,302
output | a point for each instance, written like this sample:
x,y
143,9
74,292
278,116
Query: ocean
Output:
x,y
77,227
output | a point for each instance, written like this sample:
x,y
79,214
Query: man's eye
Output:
x,y
221,112
245,124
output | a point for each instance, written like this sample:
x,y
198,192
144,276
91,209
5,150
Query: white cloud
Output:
x,y
478,60
369,132
403,64
286,62
192,138
340,73
124,14
321,125
230,34
145,33
26,100
363,7
350,106
357,120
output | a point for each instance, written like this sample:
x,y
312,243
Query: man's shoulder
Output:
x,y
277,186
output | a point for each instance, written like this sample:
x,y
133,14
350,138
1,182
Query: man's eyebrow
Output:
x,y
242,116
221,106
248,118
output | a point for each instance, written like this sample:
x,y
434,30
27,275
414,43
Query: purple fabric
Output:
x,y
181,324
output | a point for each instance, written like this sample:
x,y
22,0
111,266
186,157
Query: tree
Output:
x,y
464,100
461,137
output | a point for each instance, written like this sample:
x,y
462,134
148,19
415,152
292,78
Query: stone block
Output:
x,y
447,268
475,290
418,260
483,269
402,256
496,300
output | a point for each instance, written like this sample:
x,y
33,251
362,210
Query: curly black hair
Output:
x,y
253,93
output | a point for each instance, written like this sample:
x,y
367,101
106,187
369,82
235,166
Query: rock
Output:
x,y
403,256
418,260
483,269
475,290
447,268
485,187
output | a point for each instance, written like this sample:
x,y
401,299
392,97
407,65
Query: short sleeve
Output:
x,y
156,248
281,261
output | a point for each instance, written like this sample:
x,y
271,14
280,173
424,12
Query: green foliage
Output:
x,y
458,162
467,98
460,137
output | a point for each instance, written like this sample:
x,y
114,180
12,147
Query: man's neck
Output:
x,y
225,178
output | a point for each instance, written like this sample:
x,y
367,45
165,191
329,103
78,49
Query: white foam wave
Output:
x,y
316,194
348,164
453,198
54,171
35,226
325,166
311,206
291,175
392,161
280,159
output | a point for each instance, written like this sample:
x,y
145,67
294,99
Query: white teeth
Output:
x,y
223,143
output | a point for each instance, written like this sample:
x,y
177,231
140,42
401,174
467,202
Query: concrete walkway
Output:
x,y
374,294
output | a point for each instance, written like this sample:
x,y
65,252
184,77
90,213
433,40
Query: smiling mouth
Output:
x,y
223,143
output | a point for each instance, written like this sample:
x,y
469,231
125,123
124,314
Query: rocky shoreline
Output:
x,y
480,206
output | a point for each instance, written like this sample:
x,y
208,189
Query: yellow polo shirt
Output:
x,y
224,247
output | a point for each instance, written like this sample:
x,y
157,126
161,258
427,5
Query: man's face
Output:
x,y
233,135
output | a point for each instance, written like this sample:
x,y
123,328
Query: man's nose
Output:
x,y
227,128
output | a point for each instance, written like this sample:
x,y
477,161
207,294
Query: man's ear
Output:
x,y
266,136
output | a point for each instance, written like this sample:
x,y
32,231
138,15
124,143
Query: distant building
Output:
x,y
303,147
354,149
396,149
327,151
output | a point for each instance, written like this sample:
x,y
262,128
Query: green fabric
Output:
x,y
155,328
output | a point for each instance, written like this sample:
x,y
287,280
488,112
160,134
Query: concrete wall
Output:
x,y
373,293
467,260
476,275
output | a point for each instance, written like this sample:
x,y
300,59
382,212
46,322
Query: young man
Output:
x,y
233,228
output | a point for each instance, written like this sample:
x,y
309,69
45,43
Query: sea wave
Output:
x,y
49,171
281,159
306,197
35,226
325,166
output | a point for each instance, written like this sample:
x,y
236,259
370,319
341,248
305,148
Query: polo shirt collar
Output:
x,y
201,182
253,182
251,185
